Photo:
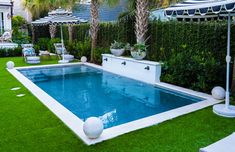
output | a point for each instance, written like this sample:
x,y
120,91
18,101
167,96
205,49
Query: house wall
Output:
x,y
19,10
6,10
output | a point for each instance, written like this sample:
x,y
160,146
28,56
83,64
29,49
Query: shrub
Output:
x,y
11,52
193,69
98,54
46,44
19,36
79,48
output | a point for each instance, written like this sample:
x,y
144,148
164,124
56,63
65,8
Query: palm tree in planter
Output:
x,y
141,29
94,26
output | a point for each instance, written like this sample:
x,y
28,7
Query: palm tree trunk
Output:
x,y
94,27
52,30
33,34
141,25
70,29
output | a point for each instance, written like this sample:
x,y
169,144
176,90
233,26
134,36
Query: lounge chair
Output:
x,y
59,51
224,145
29,54
6,36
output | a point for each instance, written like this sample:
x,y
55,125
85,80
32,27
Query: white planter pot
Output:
x,y
117,52
138,55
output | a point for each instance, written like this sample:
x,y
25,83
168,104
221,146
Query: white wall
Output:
x,y
6,15
19,10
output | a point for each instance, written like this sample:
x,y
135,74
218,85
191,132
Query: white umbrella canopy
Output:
x,y
200,9
59,17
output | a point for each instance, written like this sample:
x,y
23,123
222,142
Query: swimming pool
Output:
x,y
116,100
78,91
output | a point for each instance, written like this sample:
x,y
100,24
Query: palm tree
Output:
x,y
94,26
39,8
140,10
141,23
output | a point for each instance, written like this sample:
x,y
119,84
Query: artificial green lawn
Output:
x,y
26,125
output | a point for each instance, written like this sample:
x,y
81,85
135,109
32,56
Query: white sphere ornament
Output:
x,y
218,93
10,65
93,127
83,59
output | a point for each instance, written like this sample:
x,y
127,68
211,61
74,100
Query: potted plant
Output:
x,y
118,48
138,52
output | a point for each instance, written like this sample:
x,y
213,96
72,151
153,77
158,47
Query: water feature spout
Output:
x,y
147,68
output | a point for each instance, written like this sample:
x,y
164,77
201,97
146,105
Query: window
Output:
x,y
1,23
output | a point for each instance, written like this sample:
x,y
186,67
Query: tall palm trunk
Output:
x,y
52,30
70,29
94,26
141,25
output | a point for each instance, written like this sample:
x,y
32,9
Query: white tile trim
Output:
x,y
76,124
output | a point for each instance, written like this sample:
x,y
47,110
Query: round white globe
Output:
x,y
93,127
83,59
218,93
10,65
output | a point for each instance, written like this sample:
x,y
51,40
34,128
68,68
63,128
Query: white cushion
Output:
x,y
44,53
33,58
68,57
223,145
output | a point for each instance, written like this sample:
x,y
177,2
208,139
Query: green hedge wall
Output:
x,y
193,53
167,36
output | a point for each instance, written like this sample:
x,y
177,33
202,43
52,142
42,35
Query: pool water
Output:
x,y
116,100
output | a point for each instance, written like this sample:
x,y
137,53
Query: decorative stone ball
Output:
x,y
218,93
10,65
93,127
83,59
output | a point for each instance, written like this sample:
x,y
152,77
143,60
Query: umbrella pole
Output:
x,y
226,110
228,60
62,40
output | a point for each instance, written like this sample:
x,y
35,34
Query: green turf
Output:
x,y
26,125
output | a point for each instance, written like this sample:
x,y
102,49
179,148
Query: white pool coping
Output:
x,y
76,124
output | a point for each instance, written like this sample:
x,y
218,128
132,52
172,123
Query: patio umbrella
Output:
x,y
203,8
59,17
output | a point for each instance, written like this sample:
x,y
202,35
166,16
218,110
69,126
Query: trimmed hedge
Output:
x,y
11,52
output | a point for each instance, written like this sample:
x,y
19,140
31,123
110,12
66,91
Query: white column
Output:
x,y
1,25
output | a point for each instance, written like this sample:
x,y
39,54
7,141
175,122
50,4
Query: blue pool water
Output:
x,y
88,92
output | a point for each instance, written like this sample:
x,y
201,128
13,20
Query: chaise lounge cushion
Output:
x,y
33,59
68,57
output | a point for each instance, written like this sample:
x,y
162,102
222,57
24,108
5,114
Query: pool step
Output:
x,y
38,77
